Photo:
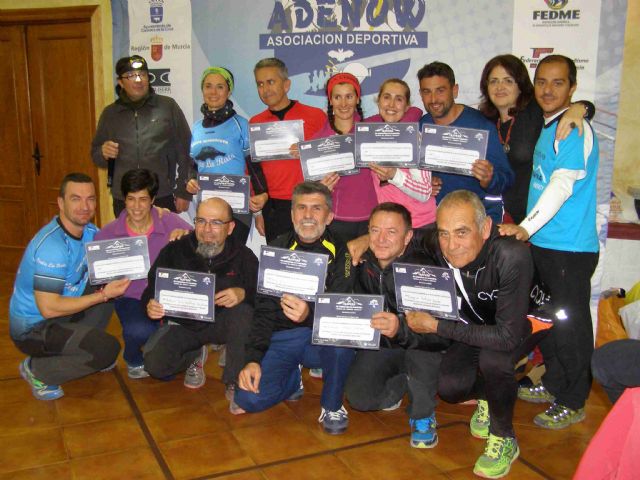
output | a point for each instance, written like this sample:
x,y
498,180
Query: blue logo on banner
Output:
x,y
364,37
155,12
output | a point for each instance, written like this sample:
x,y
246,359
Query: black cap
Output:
x,y
127,64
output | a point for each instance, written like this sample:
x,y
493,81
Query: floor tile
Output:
x,y
44,446
24,417
151,394
285,439
103,437
456,448
393,459
95,397
323,467
519,471
252,475
138,463
363,427
61,471
183,422
274,415
559,460
14,390
206,455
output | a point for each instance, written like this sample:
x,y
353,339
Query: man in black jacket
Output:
x,y
379,378
181,344
493,277
142,129
280,339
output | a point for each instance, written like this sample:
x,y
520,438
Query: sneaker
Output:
x,y
315,372
479,424
558,416
393,407
334,423
535,394
297,395
110,367
136,372
423,432
195,377
499,454
40,390
222,358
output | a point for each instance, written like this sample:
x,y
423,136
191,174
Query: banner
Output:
x,y
566,27
160,31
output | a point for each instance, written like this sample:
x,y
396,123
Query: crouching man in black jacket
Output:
x,y
181,344
380,378
280,340
493,277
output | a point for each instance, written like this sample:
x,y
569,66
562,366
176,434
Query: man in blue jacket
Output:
x,y
491,176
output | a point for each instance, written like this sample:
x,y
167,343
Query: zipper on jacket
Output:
x,y
135,116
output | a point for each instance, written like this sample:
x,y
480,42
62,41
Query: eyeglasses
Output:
x,y
142,75
507,82
214,224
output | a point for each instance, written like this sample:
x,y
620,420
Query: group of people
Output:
x,y
542,159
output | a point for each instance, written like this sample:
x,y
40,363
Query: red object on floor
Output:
x,y
614,451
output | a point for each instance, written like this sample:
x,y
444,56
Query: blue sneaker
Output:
x,y
40,390
334,423
423,432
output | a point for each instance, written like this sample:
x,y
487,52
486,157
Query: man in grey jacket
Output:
x,y
142,129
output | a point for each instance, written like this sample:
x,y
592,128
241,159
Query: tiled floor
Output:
x,y
110,427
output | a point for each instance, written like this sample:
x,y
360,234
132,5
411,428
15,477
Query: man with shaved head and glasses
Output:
x,y
181,345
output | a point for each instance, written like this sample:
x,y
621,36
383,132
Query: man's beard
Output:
x,y
209,249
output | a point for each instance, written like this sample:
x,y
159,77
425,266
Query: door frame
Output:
x,y
98,14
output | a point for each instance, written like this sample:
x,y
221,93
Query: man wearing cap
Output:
x,y
273,84
142,129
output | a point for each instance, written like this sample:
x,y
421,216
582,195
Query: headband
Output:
x,y
343,78
226,74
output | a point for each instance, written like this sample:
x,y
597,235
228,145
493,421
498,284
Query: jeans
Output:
x,y
281,373
136,328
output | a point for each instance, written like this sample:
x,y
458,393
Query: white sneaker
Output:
x,y
195,377
136,372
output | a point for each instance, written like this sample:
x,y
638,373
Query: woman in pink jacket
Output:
x,y
353,196
410,187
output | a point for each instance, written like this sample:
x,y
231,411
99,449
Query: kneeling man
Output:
x,y
281,337
380,378
181,344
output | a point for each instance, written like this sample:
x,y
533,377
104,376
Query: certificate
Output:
x,y
233,189
290,271
387,144
186,294
426,289
272,140
452,149
118,258
327,155
344,320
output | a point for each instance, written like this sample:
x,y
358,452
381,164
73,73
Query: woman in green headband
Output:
x,y
220,141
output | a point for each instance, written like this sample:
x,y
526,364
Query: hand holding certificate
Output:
x,y
387,144
345,320
426,289
290,271
119,258
272,140
327,155
233,189
452,149
186,294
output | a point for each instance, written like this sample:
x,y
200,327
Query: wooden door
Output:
x,y
50,90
